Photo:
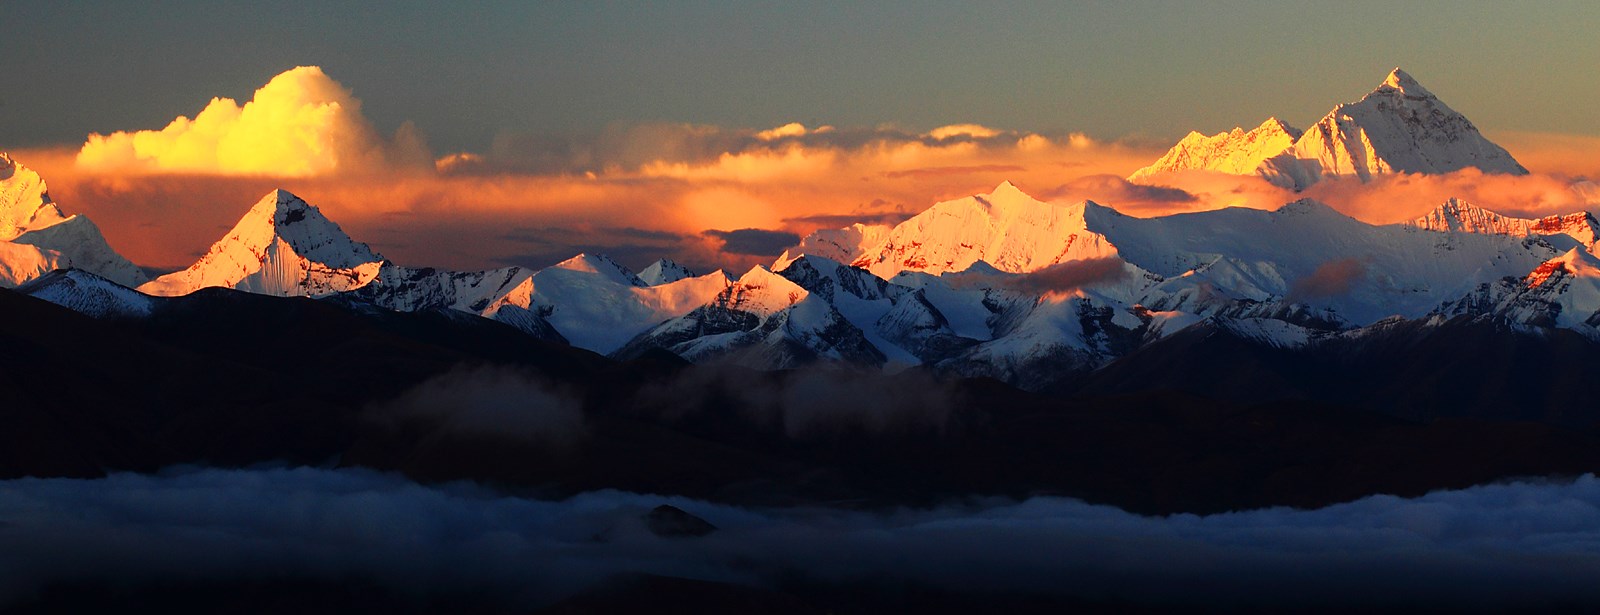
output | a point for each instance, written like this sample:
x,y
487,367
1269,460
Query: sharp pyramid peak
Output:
x,y
603,265
304,227
1275,124
1006,187
1403,82
1006,193
1309,206
281,200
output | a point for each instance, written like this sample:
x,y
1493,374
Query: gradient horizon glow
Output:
x,y
521,134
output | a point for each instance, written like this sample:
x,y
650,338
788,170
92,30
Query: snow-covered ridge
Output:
x,y
1237,152
841,245
997,284
1399,127
39,237
1005,228
89,294
1456,215
664,271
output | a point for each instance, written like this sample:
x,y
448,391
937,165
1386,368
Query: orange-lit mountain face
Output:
x,y
855,361
1400,127
995,283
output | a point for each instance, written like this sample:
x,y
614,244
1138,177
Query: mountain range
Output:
x,y
1399,127
992,347
998,285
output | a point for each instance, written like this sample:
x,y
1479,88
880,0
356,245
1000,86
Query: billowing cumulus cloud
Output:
x,y
301,123
162,196
1529,545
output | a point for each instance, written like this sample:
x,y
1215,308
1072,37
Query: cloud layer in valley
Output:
x,y
1526,544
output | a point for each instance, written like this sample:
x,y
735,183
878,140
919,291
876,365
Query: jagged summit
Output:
x,y
664,271
282,246
602,265
25,201
1403,82
1238,152
305,229
842,244
40,237
1398,127
1457,215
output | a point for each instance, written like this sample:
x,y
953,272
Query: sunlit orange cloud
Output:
x,y
301,123
1386,199
705,195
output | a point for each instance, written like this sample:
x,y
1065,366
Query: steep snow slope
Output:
x,y
1459,216
282,246
1308,253
1563,292
1237,152
867,301
761,320
20,263
663,271
409,289
79,241
1005,228
1340,271
599,305
1400,127
841,245
87,293
28,216
25,201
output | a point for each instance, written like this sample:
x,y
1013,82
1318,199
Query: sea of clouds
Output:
x,y
1517,544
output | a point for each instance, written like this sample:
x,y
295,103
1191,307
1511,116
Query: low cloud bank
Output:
x,y
1524,544
1331,279
494,403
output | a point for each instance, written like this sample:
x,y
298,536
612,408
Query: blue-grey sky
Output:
x,y
465,72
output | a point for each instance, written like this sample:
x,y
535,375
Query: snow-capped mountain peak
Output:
x,y
760,291
304,228
1402,81
282,246
1573,263
1459,216
664,271
1398,127
602,265
38,237
1238,152
842,244
25,201
1006,227
87,293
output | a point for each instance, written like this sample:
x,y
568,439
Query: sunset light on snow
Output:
x,y
803,307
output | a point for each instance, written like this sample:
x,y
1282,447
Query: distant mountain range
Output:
x,y
998,285
1400,127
